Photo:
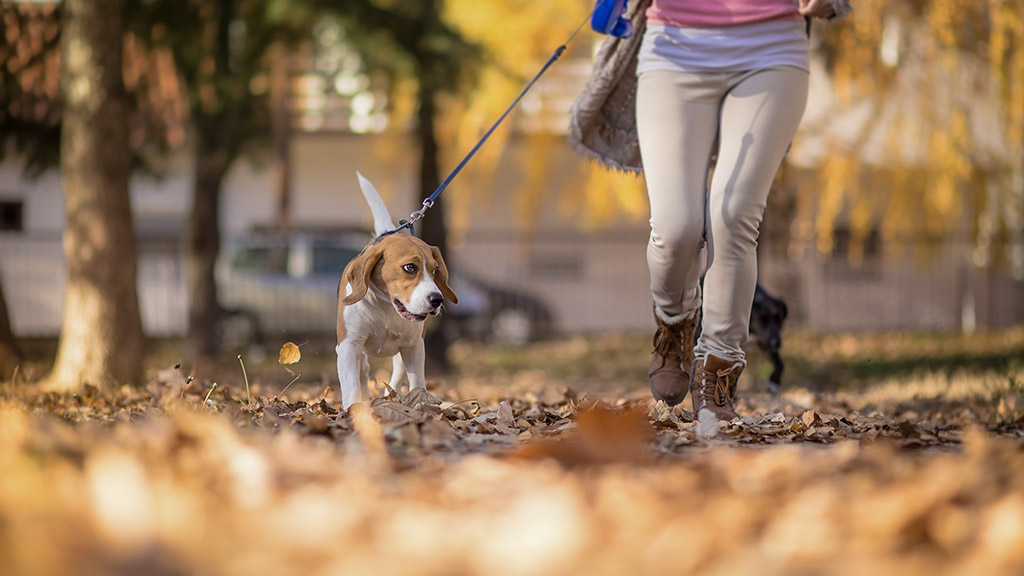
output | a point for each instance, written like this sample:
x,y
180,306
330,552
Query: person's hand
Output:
x,y
816,8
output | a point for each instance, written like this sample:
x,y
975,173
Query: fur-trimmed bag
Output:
x,y
603,121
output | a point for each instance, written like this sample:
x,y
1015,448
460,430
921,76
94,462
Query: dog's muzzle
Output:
x,y
405,313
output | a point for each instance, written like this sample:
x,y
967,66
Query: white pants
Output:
x,y
752,116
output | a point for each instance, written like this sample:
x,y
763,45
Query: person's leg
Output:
x,y
677,117
677,121
759,118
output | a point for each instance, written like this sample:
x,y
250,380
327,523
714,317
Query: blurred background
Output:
x,y
900,206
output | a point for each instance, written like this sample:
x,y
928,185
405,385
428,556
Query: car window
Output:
x,y
265,259
331,259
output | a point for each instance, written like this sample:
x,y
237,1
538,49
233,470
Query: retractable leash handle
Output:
x,y
608,19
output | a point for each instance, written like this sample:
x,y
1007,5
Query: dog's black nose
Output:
x,y
435,299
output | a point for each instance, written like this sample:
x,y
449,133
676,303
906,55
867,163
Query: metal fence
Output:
x,y
600,282
33,272
586,283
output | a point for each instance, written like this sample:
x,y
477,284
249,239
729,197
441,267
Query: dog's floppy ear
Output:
x,y
783,310
357,274
442,277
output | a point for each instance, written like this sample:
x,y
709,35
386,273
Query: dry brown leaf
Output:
x,y
435,433
505,417
395,412
420,396
603,436
809,418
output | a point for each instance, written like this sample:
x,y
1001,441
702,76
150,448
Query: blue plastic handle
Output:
x,y
608,18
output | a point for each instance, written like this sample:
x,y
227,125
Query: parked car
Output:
x,y
276,283
498,315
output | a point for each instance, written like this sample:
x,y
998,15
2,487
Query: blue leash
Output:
x,y
605,12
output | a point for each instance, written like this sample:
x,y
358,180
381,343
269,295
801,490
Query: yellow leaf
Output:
x,y
289,354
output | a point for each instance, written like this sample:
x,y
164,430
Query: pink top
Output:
x,y
715,13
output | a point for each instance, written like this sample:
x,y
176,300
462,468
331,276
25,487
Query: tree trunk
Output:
x,y
432,227
10,353
101,339
211,164
281,122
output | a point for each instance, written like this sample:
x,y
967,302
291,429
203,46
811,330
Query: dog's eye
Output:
x,y
434,273
409,268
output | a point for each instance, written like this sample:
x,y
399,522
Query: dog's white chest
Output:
x,y
383,332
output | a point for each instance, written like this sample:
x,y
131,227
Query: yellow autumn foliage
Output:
x,y
952,155
517,38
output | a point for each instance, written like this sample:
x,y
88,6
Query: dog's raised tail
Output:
x,y
381,217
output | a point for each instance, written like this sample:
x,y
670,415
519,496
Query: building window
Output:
x,y
12,215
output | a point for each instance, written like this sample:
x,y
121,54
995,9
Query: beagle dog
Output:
x,y
385,295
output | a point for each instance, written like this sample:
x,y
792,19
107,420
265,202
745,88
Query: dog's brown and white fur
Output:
x,y
384,298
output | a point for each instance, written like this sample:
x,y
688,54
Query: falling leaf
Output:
x,y
289,354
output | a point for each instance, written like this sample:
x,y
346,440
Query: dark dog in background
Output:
x,y
766,318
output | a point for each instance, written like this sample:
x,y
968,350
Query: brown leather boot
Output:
x,y
672,359
714,386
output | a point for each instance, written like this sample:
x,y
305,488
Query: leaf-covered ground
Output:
x,y
884,455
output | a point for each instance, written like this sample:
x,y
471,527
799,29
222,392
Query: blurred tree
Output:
x,y
220,49
412,39
101,338
32,107
10,352
940,89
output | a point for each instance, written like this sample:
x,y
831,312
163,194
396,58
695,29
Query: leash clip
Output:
x,y
427,204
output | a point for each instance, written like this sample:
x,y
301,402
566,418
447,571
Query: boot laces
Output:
x,y
676,343
720,390
668,342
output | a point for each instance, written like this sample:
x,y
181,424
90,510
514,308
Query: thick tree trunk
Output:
x,y
432,227
10,353
211,166
101,339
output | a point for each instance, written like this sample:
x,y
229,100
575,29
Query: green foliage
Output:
x,y
409,38
220,52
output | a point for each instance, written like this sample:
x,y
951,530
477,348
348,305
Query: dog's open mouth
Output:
x,y
404,312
